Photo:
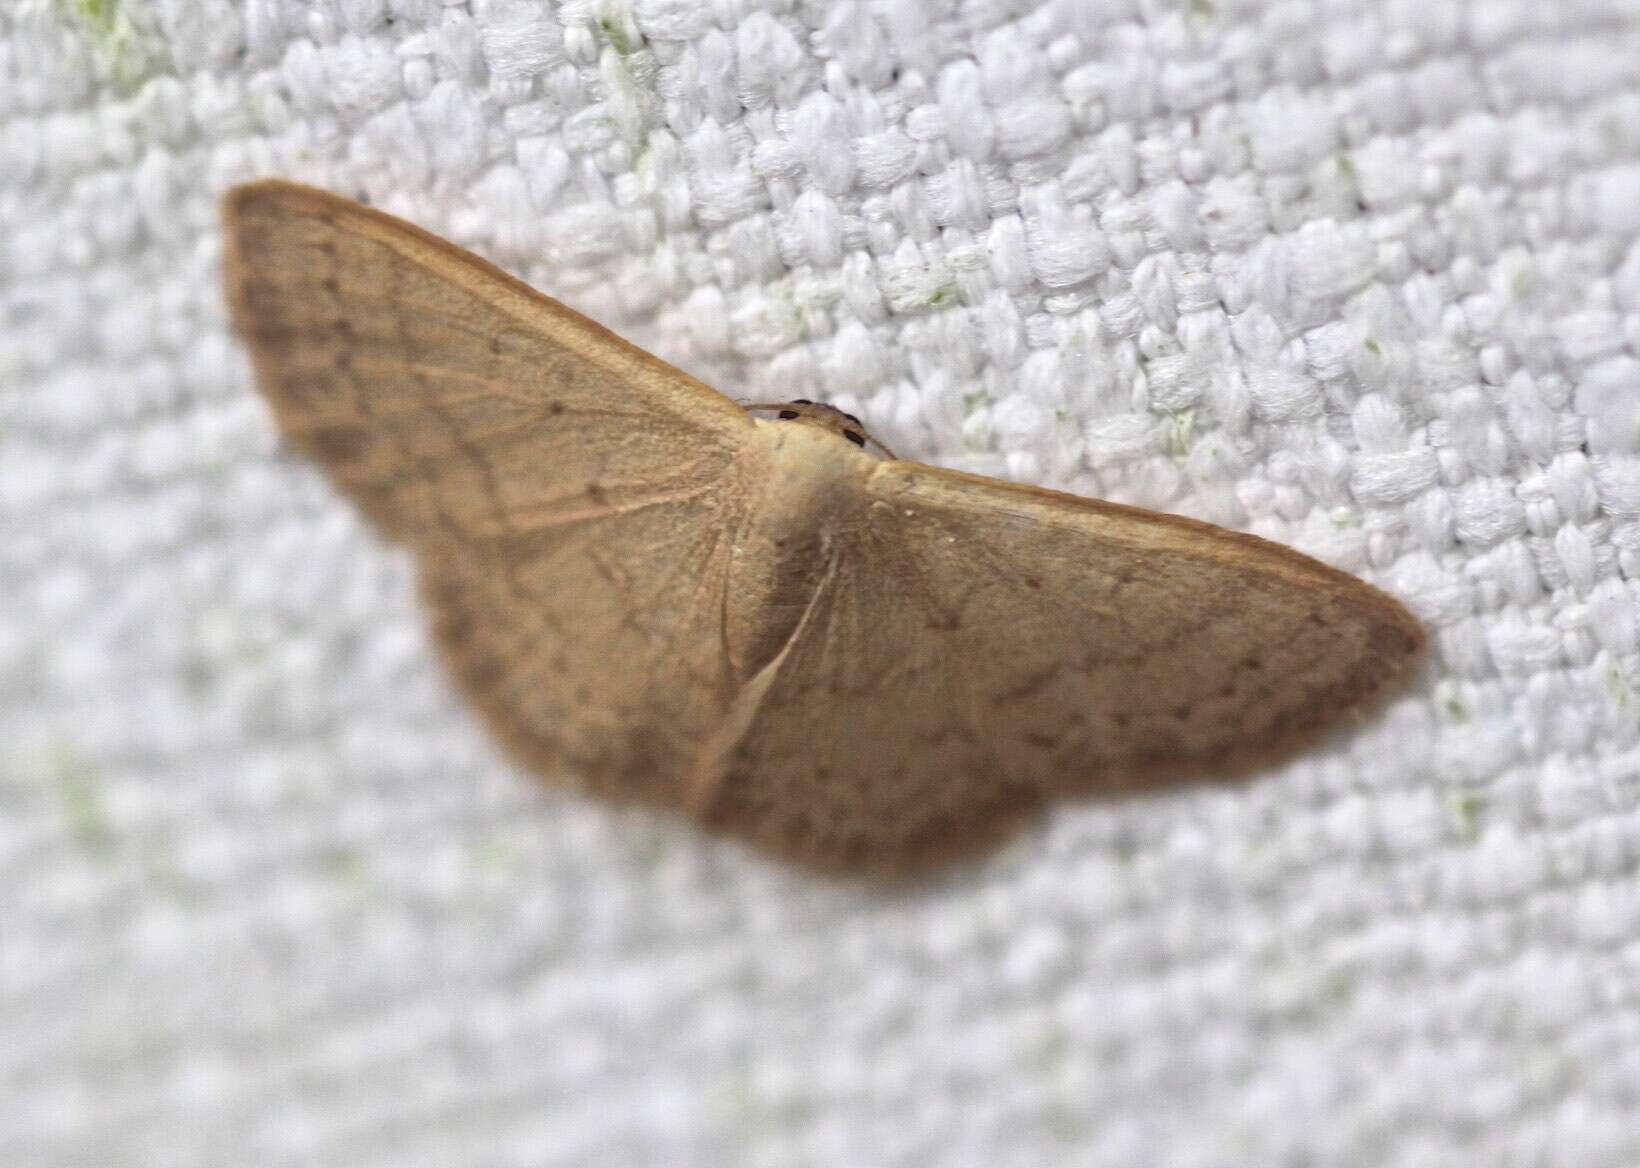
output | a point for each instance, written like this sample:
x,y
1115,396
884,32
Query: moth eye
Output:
x,y
788,415
857,439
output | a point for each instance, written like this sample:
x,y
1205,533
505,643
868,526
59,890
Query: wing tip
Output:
x,y
251,215
245,200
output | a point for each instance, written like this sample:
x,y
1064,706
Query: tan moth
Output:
x,y
860,662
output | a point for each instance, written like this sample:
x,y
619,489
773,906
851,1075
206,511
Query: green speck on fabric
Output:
x,y
98,14
1466,811
76,782
631,77
1180,435
110,31
1618,687
345,866
615,33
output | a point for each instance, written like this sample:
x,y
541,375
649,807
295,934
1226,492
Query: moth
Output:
x,y
769,623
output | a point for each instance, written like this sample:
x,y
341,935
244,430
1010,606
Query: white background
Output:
x,y
1361,277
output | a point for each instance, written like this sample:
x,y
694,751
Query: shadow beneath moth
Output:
x,y
862,663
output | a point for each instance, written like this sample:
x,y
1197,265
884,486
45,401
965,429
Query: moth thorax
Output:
x,y
801,493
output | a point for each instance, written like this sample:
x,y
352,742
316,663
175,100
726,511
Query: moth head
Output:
x,y
828,418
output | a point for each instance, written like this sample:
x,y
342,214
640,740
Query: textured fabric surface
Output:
x,y
1361,277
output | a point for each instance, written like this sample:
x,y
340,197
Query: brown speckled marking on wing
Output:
x,y
564,491
979,647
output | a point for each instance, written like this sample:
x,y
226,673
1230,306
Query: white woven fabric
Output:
x,y
1361,277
